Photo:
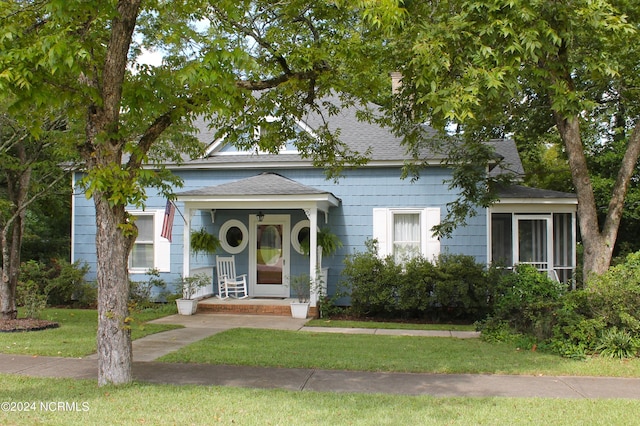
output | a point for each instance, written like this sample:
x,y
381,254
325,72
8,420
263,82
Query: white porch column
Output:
x,y
313,254
186,250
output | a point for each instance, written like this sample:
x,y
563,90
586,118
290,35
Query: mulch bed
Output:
x,y
26,324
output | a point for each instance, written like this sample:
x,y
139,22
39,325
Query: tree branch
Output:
x,y
621,187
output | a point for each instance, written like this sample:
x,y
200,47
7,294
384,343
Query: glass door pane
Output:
x,y
270,258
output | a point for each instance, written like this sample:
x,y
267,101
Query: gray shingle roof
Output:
x,y
359,136
507,150
519,191
262,184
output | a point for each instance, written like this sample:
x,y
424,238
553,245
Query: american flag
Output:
x,y
167,224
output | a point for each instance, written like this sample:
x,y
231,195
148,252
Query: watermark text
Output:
x,y
47,406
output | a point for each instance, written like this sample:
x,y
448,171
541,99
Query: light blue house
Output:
x,y
257,202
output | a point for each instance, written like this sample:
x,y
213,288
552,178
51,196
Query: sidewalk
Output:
x,y
200,326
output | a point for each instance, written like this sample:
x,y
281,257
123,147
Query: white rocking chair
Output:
x,y
230,284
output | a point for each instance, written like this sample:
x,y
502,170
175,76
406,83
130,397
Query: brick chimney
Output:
x,y
396,82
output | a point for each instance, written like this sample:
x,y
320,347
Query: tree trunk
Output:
x,y
11,243
598,245
114,338
11,240
8,308
103,149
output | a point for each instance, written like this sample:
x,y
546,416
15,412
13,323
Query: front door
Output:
x,y
269,256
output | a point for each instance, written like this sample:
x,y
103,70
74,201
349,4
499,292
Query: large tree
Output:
x,y
216,55
30,166
485,65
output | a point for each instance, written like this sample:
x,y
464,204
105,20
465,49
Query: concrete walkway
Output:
x,y
200,326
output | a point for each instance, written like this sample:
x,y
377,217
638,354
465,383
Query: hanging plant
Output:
x,y
329,242
204,242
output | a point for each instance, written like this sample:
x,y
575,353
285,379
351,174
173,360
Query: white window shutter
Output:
x,y
380,231
161,246
431,243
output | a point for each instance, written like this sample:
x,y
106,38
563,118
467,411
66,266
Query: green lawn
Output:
x,y
389,325
205,405
83,403
76,335
297,349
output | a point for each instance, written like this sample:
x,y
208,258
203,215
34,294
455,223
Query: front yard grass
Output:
x,y
204,405
388,325
295,349
76,335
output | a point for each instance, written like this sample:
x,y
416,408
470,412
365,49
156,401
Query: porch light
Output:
x,y
260,216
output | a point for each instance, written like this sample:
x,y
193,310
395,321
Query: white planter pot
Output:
x,y
299,310
187,306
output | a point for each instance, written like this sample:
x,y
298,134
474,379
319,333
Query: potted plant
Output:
x,y
204,242
328,242
301,285
187,305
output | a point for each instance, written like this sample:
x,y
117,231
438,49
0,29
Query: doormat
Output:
x,y
268,298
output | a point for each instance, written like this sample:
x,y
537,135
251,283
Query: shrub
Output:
x,y
372,282
455,287
59,282
65,281
603,316
527,299
615,295
31,299
464,288
86,296
616,343
416,284
140,291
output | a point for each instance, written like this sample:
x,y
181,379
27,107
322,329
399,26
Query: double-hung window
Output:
x,y
406,233
407,241
141,256
150,250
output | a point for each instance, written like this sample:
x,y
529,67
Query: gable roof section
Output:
x,y
360,136
263,187
508,152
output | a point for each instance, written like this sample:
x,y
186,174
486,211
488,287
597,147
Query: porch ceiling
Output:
x,y
261,191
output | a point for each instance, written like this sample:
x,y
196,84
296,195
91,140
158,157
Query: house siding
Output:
x,y
360,190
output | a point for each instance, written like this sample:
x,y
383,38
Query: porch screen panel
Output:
x,y
563,246
532,241
406,236
502,239
269,254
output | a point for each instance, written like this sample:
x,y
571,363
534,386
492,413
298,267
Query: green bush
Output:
x,y
31,299
140,291
60,282
616,343
599,318
464,288
65,281
527,300
615,295
454,287
416,283
371,286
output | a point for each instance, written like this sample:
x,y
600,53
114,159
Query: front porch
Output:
x,y
251,306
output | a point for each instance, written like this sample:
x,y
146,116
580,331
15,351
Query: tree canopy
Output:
x,y
216,56
493,67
